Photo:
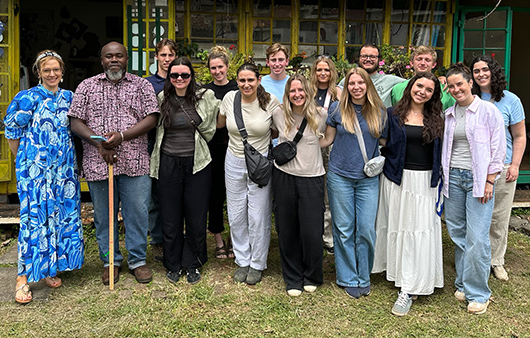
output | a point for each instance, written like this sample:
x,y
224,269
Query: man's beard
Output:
x,y
371,69
115,76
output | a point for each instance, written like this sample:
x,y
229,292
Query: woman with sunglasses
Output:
x,y
474,147
323,79
489,84
248,205
218,65
409,233
298,189
352,194
181,162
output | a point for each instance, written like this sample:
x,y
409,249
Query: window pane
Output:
x,y
201,26
281,31
308,31
311,51
420,35
153,32
472,22
282,9
179,25
352,53
374,32
262,8
309,9
329,50
374,10
400,10
422,11
228,7
329,9
260,54
438,36
4,6
496,19
4,62
160,7
439,58
354,10
439,12
179,5
498,55
473,39
398,34
329,32
354,33
495,39
262,30
226,27
202,6
469,55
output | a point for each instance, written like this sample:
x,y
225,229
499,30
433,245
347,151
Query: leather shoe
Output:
x,y
105,278
142,274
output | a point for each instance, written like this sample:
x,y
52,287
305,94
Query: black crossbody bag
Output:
x,y
286,151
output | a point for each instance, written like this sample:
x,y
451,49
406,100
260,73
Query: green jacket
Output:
x,y
207,108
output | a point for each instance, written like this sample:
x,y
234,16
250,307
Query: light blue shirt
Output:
x,y
275,87
512,112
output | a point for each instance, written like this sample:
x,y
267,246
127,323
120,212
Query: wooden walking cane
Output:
x,y
111,227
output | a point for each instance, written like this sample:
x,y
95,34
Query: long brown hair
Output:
x,y
372,109
332,88
309,109
433,122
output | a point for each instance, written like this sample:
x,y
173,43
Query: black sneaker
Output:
x,y
174,276
330,250
193,276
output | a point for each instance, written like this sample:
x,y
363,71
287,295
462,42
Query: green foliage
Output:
x,y
395,61
188,48
343,66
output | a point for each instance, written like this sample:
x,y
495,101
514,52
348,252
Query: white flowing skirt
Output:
x,y
409,234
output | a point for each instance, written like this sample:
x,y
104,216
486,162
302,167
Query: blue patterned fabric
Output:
x,y
51,234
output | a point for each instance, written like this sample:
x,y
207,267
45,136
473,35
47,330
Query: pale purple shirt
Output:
x,y
487,142
105,107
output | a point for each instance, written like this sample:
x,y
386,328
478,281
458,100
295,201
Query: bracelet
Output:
x,y
122,138
490,182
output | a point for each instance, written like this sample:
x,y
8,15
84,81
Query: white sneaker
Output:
x,y
500,273
310,288
294,292
460,296
402,304
477,308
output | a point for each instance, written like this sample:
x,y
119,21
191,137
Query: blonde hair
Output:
x,y
371,109
310,108
423,49
45,56
218,52
275,48
332,88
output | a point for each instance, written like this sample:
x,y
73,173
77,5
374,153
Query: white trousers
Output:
x,y
500,219
249,214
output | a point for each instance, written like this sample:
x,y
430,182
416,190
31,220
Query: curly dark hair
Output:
x,y
170,102
433,122
498,79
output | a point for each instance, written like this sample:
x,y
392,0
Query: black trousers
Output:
x,y
218,193
299,216
183,199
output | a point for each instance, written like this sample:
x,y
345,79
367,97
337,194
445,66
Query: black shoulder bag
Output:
x,y
259,167
286,151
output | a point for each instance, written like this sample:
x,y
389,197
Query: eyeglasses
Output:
x,y
184,76
371,57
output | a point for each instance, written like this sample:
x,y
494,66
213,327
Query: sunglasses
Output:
x,y
184,76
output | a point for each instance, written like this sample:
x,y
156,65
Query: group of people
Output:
x,y
463,139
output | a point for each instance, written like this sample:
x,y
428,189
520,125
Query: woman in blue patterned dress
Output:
x,y
38,132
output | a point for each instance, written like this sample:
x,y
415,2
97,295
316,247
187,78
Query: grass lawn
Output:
x,y
218,307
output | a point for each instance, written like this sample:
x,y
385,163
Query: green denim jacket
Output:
x,y
207,108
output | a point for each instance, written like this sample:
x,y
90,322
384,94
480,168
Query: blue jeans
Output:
x,y
353,206
468,223
135,195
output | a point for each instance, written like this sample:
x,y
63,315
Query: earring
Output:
x,y
40,80
62,80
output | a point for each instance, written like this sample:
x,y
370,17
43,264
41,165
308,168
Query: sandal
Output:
x,y
53,282
28,295
220,252
230,249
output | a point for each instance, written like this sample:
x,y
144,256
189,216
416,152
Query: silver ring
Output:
x,y
115,156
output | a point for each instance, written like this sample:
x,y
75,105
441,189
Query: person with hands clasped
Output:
x,y
473,152
122,107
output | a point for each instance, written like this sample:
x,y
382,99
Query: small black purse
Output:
x,y
286,151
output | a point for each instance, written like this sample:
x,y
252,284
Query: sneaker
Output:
x,y
158,251
402,305
173,276
294,292
241,274
478,308
142,274
310,288
365,291
253,276
105,278
500,273
193,276
460,296
353,292
330,250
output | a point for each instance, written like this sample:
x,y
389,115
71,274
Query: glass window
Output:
x,y
364,25
271,24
